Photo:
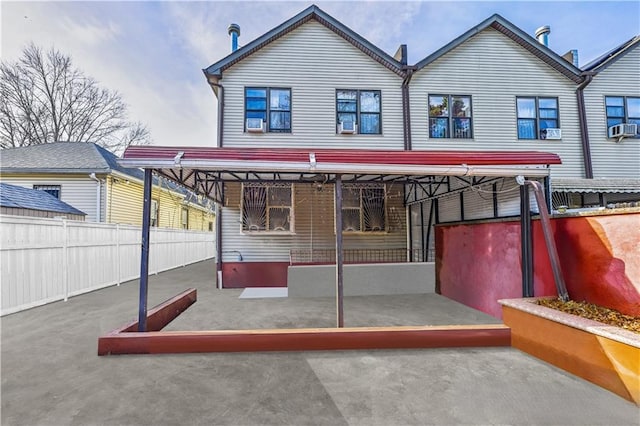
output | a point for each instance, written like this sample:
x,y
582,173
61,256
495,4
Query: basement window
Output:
x,y
267,208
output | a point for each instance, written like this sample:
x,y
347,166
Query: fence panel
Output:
x,y
44,260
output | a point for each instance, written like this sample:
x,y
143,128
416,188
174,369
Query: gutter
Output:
x,y
98,196
582,119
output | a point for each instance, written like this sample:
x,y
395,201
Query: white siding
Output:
x,y
314,227
77,191
494,70
313,61
611,159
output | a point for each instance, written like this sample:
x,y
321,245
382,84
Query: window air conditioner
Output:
x,y
623,130
255,125
347,127
551,134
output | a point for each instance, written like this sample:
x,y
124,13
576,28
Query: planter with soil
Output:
x,y
605,354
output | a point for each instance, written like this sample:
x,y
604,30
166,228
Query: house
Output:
x,y
19,201
611,101
88,177
340,91
394,148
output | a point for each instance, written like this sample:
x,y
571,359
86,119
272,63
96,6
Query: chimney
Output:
x,y
542,34
401,54
571,57
234,32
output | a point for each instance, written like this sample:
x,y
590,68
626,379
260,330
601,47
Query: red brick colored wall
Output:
x,y
477,264
254,274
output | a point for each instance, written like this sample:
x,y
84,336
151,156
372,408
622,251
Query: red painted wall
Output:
x,y
477,264
254,274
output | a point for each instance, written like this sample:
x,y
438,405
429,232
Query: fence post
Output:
x,y
118,253
65,258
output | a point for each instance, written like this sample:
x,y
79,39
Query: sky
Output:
x,y
153,52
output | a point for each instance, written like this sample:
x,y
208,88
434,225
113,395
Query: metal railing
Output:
x,y
392,255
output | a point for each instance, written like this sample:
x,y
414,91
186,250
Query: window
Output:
x,y
363,208
450,116
185,218
267,207
276,113
621,109
154,212
535,115
361,107
49,189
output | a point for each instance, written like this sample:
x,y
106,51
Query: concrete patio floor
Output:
x,y
51,374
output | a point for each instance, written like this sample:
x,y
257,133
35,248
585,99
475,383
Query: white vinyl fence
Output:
x,y
44,260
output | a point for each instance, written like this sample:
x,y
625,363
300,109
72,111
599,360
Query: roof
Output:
x,y
604,61
200,168
595,185
312,12
63,157
26,198
525,40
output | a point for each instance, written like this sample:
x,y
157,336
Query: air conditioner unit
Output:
x,y
347,127
623,130
551,134
255,125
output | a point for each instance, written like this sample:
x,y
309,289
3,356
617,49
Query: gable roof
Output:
x,y
528,42
63,157
33,199
609,58
312,12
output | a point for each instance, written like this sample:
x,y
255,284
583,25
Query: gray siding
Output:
x,y
611,159
314,226
494,70
313,61
79,192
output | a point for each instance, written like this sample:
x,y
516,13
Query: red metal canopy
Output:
x,y
344,156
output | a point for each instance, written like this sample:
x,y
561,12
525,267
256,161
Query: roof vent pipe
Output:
x,y
234,32
542,34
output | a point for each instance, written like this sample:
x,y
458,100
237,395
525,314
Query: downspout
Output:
x,y
220,110
406,109
98,196
584,131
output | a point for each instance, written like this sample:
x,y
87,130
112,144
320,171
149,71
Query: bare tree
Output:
x,y
44,99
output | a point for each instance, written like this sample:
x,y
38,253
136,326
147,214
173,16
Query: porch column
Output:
x,y
144,255
526,242
339,260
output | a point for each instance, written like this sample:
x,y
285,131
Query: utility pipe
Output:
x,y
98,196
584,131
538,191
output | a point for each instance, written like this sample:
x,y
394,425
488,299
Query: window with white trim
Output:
x,y
267,207
535,116
364,208
360,107
272,105
623,109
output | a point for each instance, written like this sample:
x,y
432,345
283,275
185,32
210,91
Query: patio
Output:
x,y
52,375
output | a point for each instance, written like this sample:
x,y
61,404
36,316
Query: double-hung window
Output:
x,y
267,208
361,108
535,116
271,105
623,109
450,117
49,189
363,208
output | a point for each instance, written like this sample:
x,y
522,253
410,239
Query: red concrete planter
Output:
x,y
602,354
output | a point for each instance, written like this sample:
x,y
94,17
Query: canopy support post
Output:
x,y
339,259
144,255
